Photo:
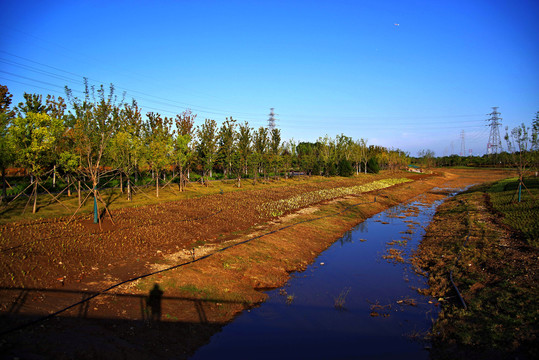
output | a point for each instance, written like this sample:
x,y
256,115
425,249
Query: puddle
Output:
x,y
357,300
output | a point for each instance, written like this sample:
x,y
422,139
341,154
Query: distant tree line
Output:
x,y
83,139
522,144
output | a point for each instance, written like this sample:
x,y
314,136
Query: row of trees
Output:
x,y
522,143
84,139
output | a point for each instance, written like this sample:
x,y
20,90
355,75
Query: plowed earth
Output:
x,y
49,265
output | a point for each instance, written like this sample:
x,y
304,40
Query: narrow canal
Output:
x,y
358,300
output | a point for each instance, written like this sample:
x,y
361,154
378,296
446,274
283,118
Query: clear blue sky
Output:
x,y
403,74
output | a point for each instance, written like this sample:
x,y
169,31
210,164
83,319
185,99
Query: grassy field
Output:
x,y
521,216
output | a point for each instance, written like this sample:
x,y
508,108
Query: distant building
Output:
x,y
414,168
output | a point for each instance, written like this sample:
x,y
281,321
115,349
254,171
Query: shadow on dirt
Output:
x,y
134,327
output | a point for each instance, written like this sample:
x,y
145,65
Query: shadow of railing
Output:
x,y
149,308
131,325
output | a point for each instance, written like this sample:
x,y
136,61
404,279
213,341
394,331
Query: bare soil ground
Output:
x,y
48,265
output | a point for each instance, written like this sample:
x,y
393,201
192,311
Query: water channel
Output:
x,y
352,302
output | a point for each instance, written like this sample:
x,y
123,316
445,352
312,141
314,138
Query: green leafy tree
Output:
x,y
275,149
159,138
56,108
244,146
519,143
207,146
260,149
327,150
69,163
227,138
182,149
96,121
7,152
307,157
126,148
288,156
345,168
33,103
396,159
356,157
35,137
427,158
344,147
372,165
535,142
364,153
69,156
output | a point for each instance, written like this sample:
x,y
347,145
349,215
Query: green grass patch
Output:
x,y
495,274
521,216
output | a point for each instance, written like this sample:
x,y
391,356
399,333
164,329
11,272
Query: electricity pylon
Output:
x,y
494,145
271,120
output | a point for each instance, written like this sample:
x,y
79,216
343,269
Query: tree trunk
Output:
x,y
54,176
121,183
68,185
96,209
4,189
80,196
128,189
35,197
180,172
156,184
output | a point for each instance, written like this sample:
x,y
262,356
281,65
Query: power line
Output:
x,y
163,101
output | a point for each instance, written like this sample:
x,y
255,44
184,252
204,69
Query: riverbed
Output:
x,y
358,299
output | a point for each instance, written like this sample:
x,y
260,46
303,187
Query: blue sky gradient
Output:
x,y
403,74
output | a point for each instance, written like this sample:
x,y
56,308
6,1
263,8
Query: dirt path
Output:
x,y
194,300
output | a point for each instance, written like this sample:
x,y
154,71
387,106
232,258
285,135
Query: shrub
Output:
x,y
331,169
345,168
372,166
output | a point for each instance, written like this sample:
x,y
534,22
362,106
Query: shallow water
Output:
x,y
303,320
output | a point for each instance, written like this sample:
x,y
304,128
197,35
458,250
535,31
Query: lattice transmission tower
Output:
x,y
494,144
271,120
462,144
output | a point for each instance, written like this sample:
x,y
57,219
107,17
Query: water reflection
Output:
x,y
362,227
346,238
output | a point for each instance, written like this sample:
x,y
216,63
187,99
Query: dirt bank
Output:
x,y
491,311
192,301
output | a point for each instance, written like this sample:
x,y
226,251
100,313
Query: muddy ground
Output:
x,y
47,266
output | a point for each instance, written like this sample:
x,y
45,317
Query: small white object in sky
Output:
x,y
396,24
